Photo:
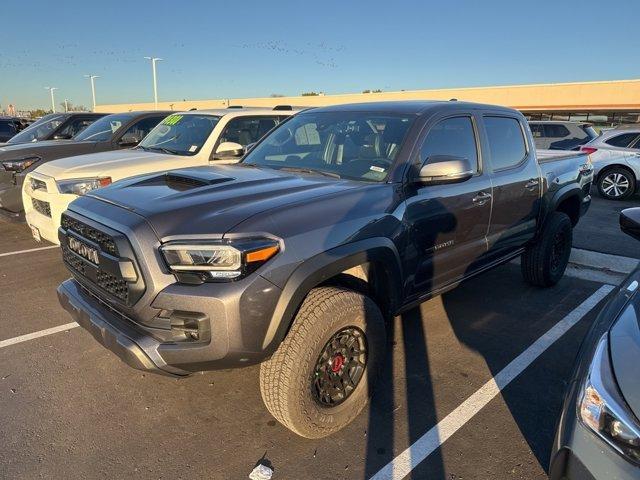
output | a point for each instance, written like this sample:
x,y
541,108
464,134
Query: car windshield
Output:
x,y
40,129
353,145
102,130
180,134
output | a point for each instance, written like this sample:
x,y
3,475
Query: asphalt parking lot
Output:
x,y
71,409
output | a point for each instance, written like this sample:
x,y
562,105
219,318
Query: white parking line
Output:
x,y
402,465
41,333
18,252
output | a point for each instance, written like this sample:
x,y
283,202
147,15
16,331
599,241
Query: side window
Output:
x,y
453,136
622,141
7,127
76,126
140,129
506,143
555,131
246,130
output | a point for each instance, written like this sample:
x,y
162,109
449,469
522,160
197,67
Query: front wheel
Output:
x,y
616,183
544,262
321,376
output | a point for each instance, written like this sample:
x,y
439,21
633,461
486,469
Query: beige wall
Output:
x,y
612,95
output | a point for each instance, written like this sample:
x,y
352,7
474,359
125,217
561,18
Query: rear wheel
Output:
x,y
616,183
321,376
544,262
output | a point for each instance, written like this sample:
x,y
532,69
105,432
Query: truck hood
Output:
x,y
22,150
112,163
212,200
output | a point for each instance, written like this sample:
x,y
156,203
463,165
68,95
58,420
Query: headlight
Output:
x,y
19,165
602,408
80,186
198,262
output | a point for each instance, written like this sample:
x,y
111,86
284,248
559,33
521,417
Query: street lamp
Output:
x,y
93,88
53,102
155,79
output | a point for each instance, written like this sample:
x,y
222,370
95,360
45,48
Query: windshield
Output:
x,y
102,130
39,130
180,134
353,145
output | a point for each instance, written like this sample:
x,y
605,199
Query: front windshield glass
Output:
x,y
352,145
180,134
40,129
102,130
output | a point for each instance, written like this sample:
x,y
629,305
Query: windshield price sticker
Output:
x,y
172,120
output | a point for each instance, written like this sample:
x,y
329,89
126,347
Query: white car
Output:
x,y
185,139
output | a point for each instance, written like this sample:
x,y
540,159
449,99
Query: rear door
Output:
x,y
516,183
447,224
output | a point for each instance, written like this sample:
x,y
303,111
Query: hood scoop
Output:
x,y
182,180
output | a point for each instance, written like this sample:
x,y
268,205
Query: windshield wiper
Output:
x,y
159,149
310,170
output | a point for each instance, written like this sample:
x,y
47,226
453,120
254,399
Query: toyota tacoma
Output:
x,y
296,258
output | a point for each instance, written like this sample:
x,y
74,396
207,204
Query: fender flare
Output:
x,y
323,266
560,196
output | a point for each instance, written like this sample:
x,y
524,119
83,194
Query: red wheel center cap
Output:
x,y
337,363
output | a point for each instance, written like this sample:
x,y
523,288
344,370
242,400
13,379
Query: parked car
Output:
x,y
557,135
616,160
339,218
598,435
9,126
111,132
187,139
55,126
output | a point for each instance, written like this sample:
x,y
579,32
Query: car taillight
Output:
x,y
588,150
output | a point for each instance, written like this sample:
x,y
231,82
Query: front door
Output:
x,y
447,224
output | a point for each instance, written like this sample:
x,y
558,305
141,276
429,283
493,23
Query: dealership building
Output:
x,y
603,103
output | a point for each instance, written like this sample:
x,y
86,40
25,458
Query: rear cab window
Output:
x,y
507,146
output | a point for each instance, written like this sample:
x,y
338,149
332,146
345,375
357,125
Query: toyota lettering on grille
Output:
x,y
85,251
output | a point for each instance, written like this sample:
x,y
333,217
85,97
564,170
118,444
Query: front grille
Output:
x,y
104,240
73,261
38,184
112,284
41,207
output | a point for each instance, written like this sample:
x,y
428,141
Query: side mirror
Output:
x,y
630,222
129,140
62,136
229,150
444,169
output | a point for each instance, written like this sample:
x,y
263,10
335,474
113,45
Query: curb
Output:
x,y
602,261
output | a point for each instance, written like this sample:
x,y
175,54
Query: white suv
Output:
x,y
185,139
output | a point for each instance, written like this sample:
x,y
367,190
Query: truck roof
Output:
x,y
416,107
239,112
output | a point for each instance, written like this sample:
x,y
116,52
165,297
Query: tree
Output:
x,y
372,91
276,95
38,112
72,108
310,94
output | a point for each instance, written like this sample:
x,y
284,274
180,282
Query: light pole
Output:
x,y
155,79
66,105
93,88
53,102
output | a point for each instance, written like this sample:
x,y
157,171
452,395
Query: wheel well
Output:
x,y
571,207
617,165
370,279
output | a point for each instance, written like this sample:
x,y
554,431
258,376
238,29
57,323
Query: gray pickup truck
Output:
x,y
336,221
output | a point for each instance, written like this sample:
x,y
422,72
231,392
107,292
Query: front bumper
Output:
x,y
11,192
116,334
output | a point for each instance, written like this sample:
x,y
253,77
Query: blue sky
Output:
x,y
219,49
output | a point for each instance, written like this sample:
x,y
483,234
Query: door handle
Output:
x,y
481,198
532,184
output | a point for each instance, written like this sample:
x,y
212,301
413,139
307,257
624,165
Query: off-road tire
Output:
x,y
621,173
286,379
540,265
